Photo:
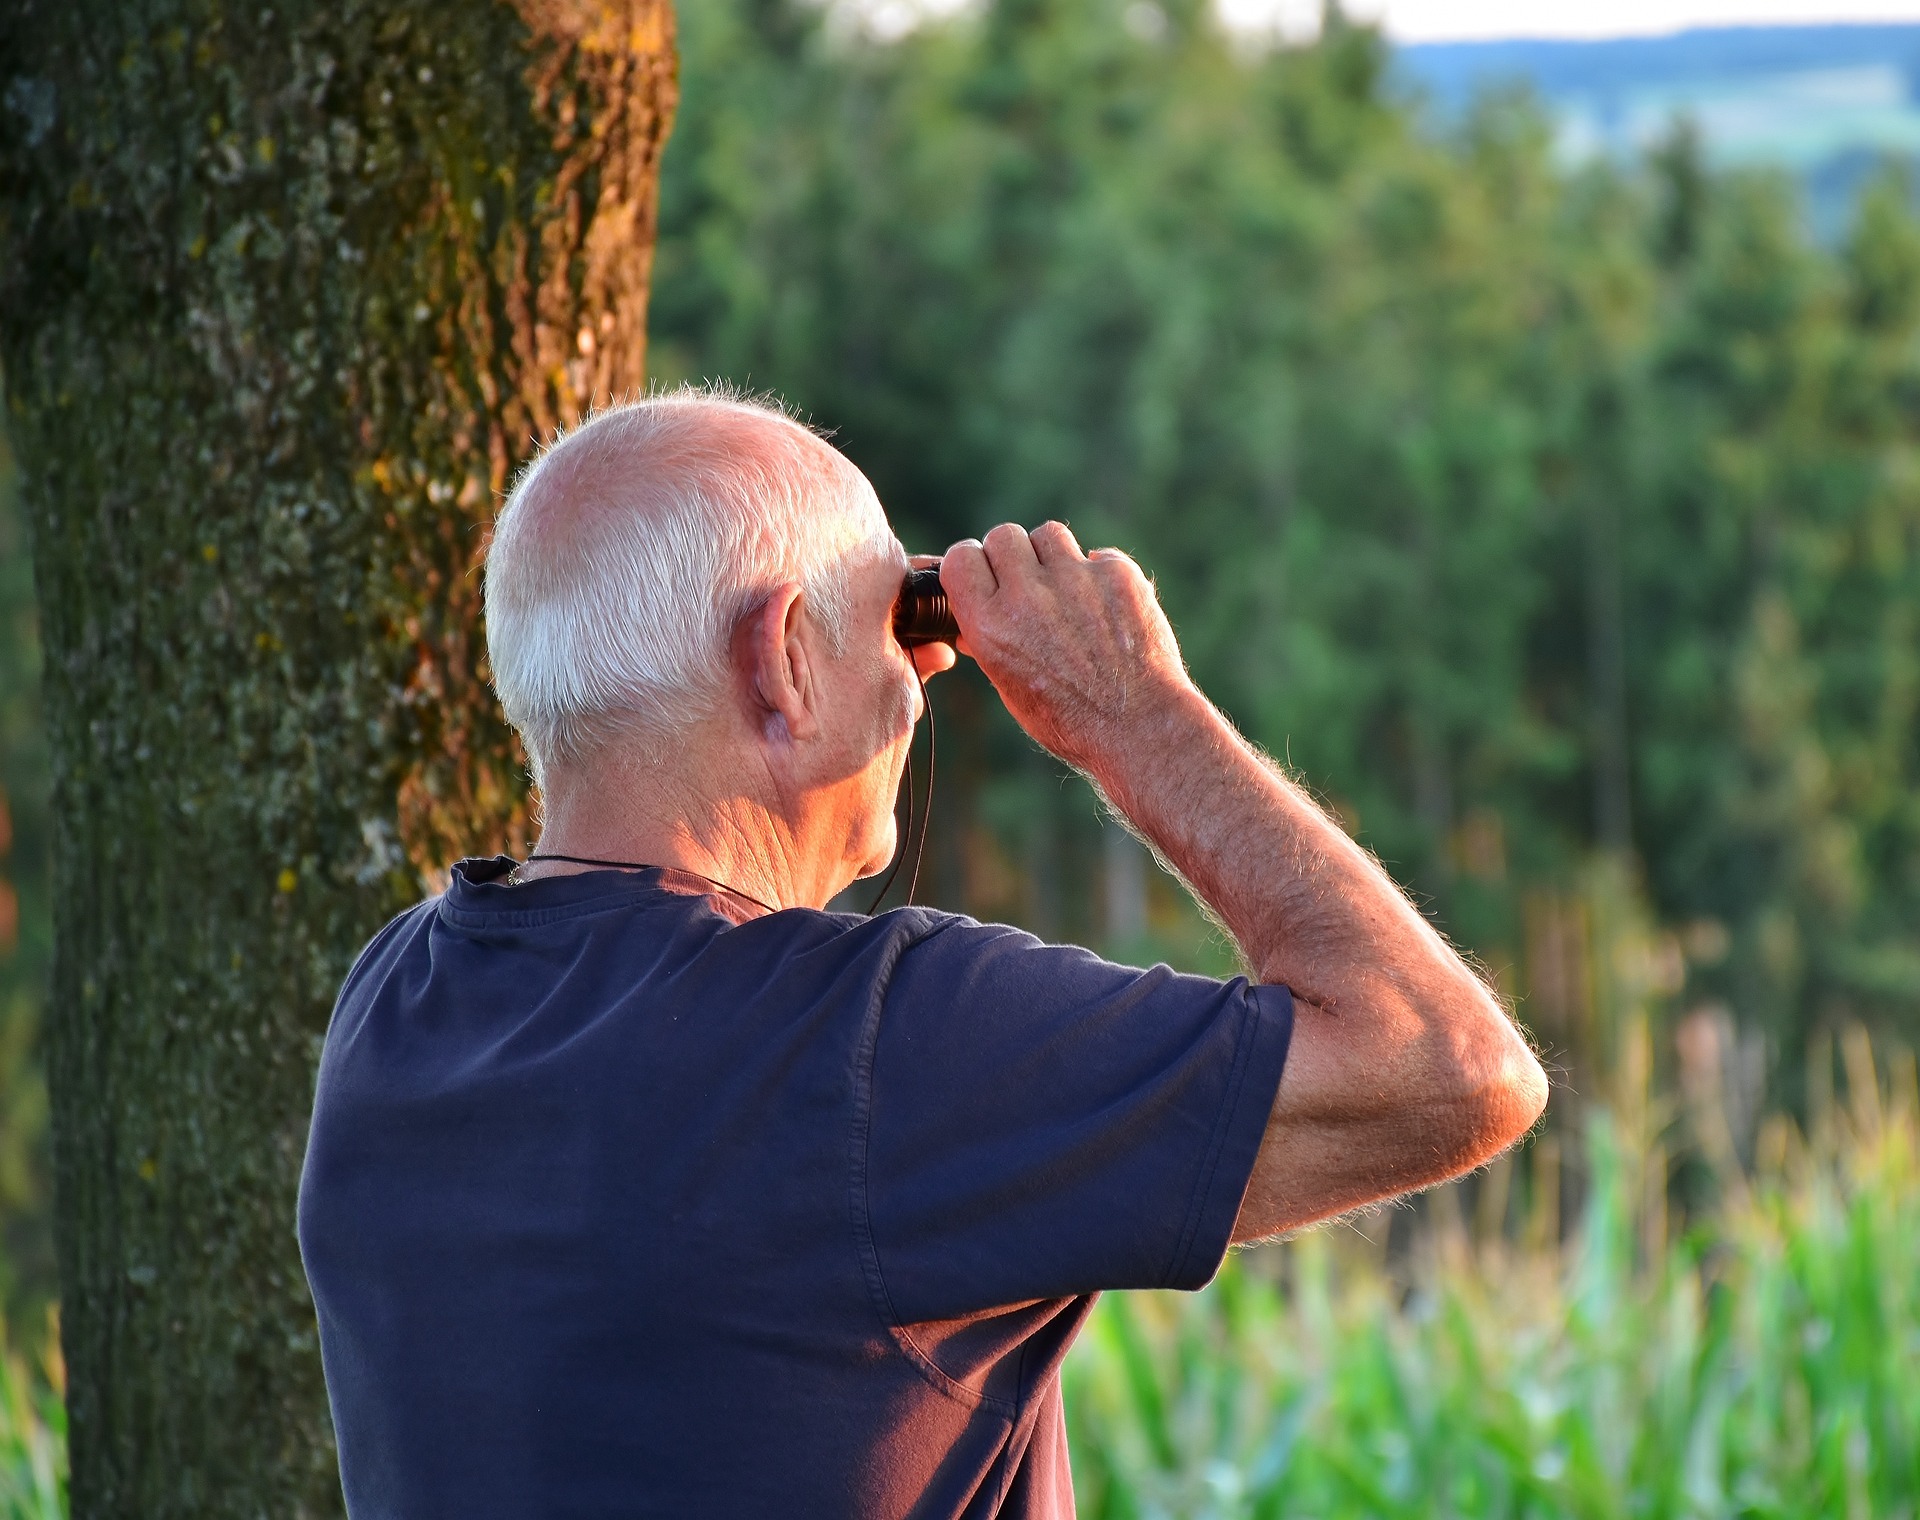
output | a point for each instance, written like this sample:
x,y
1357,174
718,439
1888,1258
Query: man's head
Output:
x,y
632,546
698,584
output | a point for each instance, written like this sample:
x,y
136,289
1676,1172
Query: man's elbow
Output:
x,y
1501,1089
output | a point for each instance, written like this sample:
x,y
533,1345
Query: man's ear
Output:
x,y
774,664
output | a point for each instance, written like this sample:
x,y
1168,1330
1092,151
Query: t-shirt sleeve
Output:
x,y
1041,1123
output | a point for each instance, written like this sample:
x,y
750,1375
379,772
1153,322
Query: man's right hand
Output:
x,y
1075,644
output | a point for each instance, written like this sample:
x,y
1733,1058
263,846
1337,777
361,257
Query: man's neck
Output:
x,y
649,819
756,874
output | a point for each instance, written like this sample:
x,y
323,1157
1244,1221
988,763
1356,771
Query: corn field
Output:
x,y
1763,1360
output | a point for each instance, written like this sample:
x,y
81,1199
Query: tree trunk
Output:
x,y
286,295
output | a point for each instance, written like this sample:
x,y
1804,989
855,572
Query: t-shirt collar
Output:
x,y
481,886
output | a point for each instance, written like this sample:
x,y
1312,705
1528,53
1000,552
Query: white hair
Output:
x,y
630,548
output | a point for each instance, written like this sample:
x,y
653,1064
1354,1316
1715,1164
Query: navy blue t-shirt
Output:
x,y
624,1201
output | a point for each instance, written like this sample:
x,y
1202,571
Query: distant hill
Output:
x,y
1830,103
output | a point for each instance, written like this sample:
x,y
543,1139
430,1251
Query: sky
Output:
x,y
1465,20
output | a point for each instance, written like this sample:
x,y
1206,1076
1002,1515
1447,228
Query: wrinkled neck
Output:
x,y
720,816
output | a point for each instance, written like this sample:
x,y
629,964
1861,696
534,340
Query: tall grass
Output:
x,y
1762,1361
33,1433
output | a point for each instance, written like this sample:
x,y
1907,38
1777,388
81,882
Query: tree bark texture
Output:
x,y
287,292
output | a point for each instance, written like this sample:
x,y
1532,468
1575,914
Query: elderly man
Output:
x,y
642,1185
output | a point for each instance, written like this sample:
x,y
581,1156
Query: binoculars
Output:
x,y
921,615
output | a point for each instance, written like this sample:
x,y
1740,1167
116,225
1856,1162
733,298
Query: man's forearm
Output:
x,y
1307,905
1404,1067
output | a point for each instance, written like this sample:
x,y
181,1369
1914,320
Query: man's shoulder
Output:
x,y
927,952
915,921
805,931
908,927
933,956
391,938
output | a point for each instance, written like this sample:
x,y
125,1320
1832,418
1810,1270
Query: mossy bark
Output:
x,y
285,295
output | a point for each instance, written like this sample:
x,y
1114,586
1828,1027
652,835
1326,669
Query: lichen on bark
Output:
x,y
286,295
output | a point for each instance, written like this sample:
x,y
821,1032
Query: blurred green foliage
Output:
x,y
33,1431
1760,1363
1540,518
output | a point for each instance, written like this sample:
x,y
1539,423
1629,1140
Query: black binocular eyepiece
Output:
x,y
922,615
